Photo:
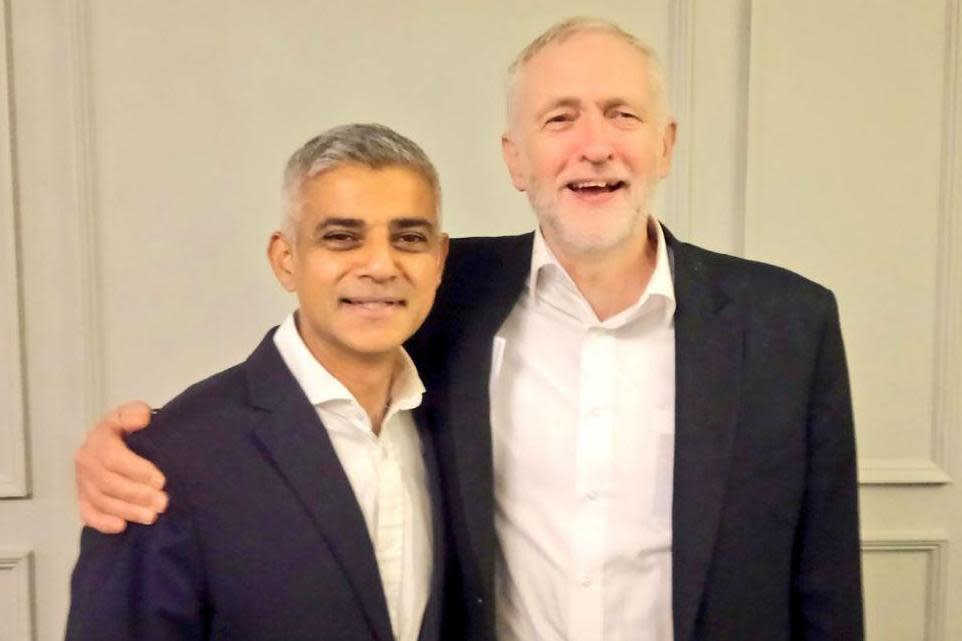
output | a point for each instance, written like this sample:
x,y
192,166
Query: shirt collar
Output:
x,y
321,387
660,286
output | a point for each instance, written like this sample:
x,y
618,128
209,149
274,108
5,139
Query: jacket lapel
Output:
x,y
708,354
431,623
466,410
296,442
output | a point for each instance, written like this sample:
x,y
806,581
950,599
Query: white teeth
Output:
x,y
588,184
371,304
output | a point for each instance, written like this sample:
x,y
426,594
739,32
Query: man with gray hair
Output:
x,y
638,439
305,502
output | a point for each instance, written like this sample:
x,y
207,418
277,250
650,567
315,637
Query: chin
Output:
x,y
378,344
368,351
593,238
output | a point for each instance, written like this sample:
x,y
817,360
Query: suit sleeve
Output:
x,y
145,584
827,593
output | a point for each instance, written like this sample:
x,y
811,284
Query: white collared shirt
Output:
x,y
583,421
386,472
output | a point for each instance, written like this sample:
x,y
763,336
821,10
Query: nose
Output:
x,y
379,261
596,142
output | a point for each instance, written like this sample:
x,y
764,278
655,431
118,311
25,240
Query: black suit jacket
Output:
x,y
264,538
765,526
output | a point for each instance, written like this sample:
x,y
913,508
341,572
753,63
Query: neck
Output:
x,y
369,381
368,377
614,279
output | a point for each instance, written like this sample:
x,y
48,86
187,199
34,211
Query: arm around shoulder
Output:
x,y
114,485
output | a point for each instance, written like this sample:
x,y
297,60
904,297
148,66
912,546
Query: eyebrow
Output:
x,y
342,222
570,102
411,223
353,223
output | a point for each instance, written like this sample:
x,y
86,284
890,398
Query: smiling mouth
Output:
x,y
373,303
595,186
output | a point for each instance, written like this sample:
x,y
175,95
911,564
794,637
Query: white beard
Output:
x,y
621,224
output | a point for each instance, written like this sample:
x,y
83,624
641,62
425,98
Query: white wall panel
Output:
x,y
143,268
717,124
675,207
191,126
13,477
853,132
904,575
83,132
16,583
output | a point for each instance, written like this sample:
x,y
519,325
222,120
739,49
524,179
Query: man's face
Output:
x,y
586,142
366,260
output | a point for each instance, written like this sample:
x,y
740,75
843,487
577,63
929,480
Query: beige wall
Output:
x,y
141,151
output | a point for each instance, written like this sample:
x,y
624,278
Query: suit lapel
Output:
x,y
430,625
295,440
708,355
467,412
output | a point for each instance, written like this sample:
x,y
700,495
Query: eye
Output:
x,y
559,120
340,239
625,117
411,240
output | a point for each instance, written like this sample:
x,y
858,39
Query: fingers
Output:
x,y
100,521
113,455
100,509
95,482
114,485
104,447
129,417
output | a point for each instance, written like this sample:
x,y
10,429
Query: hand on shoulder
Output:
x,y
114,485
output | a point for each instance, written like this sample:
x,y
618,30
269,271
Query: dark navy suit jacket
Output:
x,y
765,519
263,540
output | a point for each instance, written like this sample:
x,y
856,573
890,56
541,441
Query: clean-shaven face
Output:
x,y
365,262
586,143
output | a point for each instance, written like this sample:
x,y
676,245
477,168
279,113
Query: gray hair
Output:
x,y
371,145
562,31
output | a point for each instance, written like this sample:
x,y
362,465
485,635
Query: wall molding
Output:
x,y
897,471
946,394
947,356
681,45
935,545
85,188
753,162
13,434
19,564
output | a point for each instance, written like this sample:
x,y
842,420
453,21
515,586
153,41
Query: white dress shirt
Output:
x,y
386,472
583,421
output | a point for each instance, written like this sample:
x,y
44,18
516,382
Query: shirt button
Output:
x,y
586,581
595,412
592,495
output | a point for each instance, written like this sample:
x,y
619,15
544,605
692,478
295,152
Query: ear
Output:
x,y
280,254
668,134
515,164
